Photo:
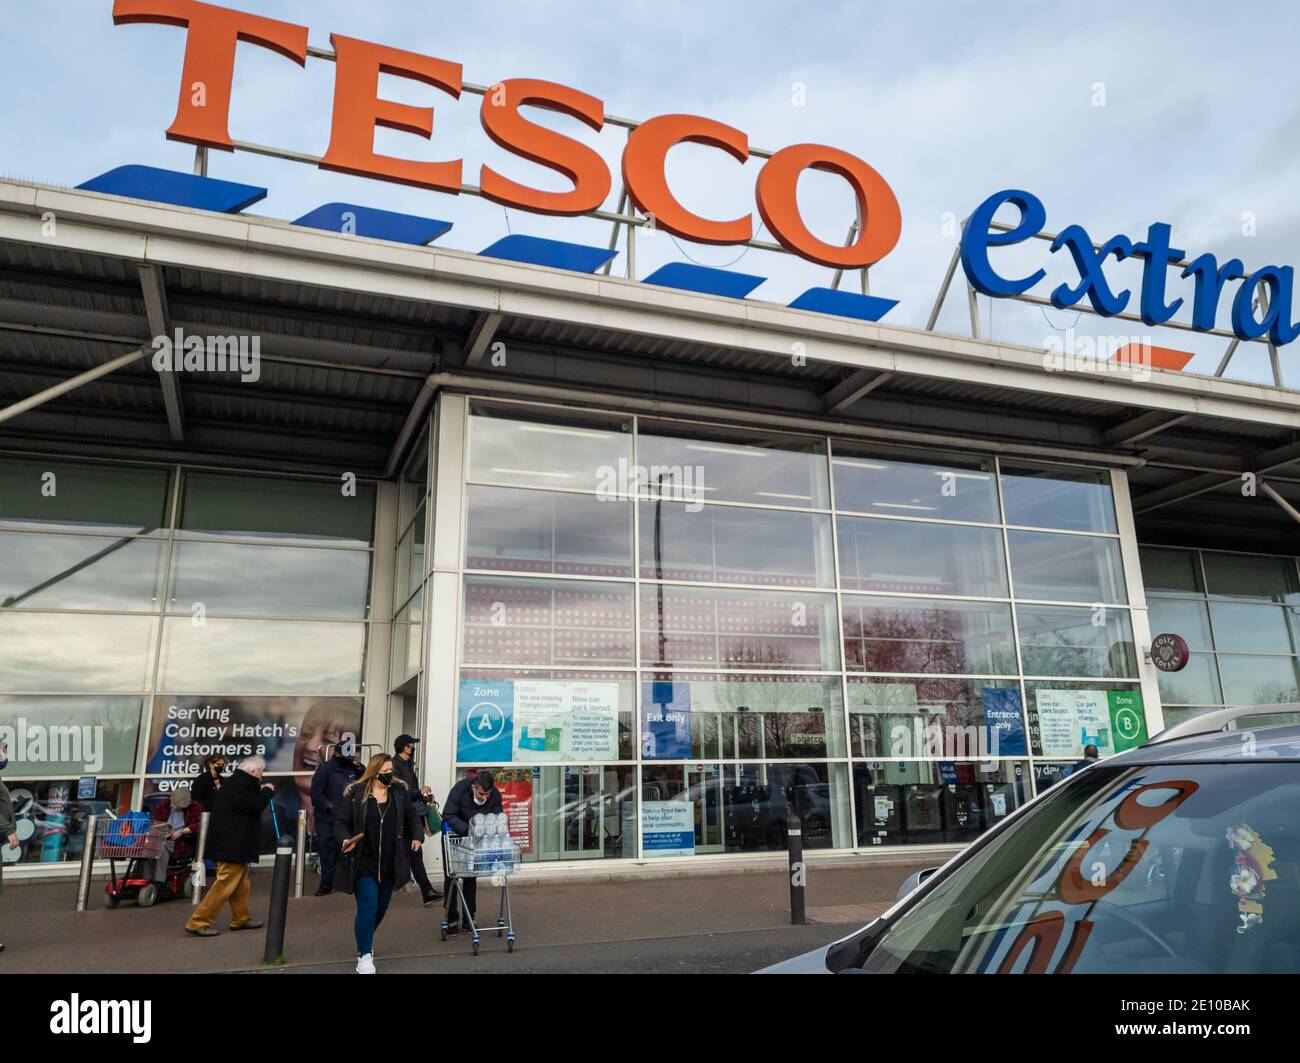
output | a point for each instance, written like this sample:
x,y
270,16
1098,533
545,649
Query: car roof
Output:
x,y
1274,742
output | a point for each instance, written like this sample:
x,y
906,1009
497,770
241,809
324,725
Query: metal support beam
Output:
x,y
1260,464
480,338
72,383
852,388
943,288
1287,508
613,230
1148,424
155,308
414,419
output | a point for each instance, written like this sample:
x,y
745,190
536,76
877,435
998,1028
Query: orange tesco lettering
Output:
x,y
203,113
208,73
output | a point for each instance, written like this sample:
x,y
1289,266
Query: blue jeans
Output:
x,y
372,902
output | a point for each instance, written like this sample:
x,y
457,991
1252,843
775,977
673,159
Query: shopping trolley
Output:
x,y
481,855
134,839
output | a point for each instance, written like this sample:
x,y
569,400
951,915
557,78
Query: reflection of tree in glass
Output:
x,y
906,640
1275,693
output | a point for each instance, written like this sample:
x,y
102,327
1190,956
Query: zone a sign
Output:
x,y
203,110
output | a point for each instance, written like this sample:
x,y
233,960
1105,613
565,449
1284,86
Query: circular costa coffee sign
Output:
x,y
1169,652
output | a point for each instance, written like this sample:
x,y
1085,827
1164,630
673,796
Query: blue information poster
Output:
x,y
668,828
666,721
1005,721
485,727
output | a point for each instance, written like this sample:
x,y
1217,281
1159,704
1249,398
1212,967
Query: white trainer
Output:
x,y
366,964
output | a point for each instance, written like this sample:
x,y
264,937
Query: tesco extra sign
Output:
x,y
203,111
1157,254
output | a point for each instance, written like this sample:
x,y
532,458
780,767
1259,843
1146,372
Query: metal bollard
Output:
x,y
300,855
199,875
798,875
87,858
279,911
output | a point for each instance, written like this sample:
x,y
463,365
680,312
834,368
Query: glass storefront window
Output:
x,y
82,592
1072,568
407,639
733,808
408,569
241,579
730,544
83,735
516,530
1050,496
1171,571
574,812
1065,717
1197,684
1254,680
414,483
220,505
76,652
51,819
688,715
694,462
909,716
546,622
916,802
80,572
550,448
927,635
38,493
1189,619
1269,579
914,483
724,628
568,812
261,656
1067,640
916,557
555,715
1254,628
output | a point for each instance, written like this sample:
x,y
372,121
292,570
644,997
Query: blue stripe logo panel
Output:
x,y
378,224
844,304
178,189
705,279
554,253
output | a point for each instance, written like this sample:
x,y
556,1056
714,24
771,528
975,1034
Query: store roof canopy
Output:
x,y
355,334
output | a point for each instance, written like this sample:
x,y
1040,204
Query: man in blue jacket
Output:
x,y
332,776
468,798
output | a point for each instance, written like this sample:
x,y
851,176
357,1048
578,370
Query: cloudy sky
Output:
x,y
1116,115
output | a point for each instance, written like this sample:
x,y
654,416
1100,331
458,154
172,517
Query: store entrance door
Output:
x,y
704,788
581,823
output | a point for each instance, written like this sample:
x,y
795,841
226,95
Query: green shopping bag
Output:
x,y
433,818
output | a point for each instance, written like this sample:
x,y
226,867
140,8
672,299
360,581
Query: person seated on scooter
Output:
x,y
182,814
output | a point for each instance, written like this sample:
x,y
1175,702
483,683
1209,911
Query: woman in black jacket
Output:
x,y
381,836
204,788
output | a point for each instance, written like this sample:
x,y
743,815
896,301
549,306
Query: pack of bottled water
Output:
x,y
491,849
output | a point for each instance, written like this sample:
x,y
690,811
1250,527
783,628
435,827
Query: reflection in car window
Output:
x,y
1173,868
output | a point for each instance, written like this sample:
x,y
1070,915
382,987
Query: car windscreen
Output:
x,y
1145,869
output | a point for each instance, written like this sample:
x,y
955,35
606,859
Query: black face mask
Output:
x,y
340,756
385,777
